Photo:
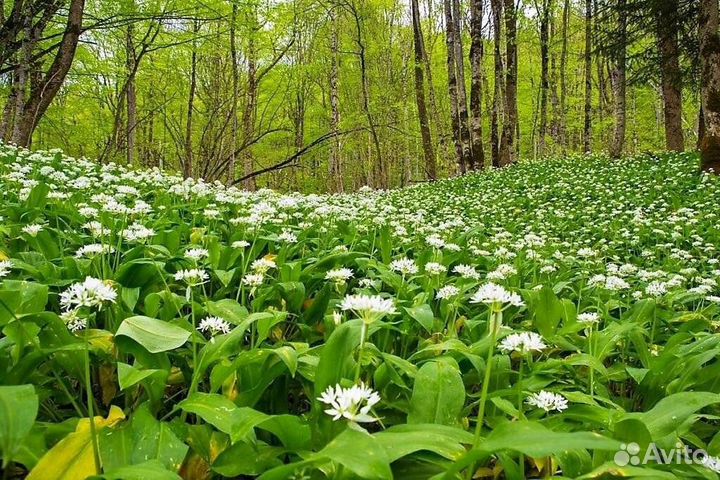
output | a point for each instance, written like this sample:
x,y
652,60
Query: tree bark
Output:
x,y
130,132
427,143
42,94
452,85
476,82
671,76
710,84
235,94
461,90
336,170
188,163
587,129
562,134
498,110
248,122
544,72
619,83
511,126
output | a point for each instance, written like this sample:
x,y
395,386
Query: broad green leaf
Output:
x,y
402,440
423,314
153,334
143,471
671,412
438,394
18,409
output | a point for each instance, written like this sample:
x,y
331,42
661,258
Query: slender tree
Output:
x,y
511,125
619,82
708,25
587,130
453,86
476,82
666,21
427,142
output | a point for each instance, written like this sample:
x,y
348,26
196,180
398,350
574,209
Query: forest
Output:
x,y
359,239
333,95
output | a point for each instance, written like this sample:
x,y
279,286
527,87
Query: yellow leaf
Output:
x,y
3,256
72,457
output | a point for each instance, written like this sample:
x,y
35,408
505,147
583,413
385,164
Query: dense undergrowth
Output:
x,y
550,319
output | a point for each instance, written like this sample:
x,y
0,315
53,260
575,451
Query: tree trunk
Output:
x,y
188,163
476,82
452,85
336,170
563,73
511,127
234,126
671,76
461,90
619,83
130,132
587,130
710,84
248,122
499,88
47,88
427,143
544,72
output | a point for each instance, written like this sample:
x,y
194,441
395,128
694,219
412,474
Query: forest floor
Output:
x,y
565,309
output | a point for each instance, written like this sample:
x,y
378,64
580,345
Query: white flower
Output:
x,y
214,325
339,275
493,294
466,271
352,403
616,283
448,291
656,289
434,268
33,229
5,267
240,244
368,307
72,321
262,265
502,272
366,283
91,293
404,266
524,342
138,233
197,254
192,277
548,401
92,250
253,279
288,237
588,318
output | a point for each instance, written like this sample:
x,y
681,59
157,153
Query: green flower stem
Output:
x,y
495,322
521,415
363,333
91,410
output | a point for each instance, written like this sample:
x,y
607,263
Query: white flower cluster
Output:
x,y
91,293
5,268
354,403
548,401
339,275
493,294
368,307
524,342
214,325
